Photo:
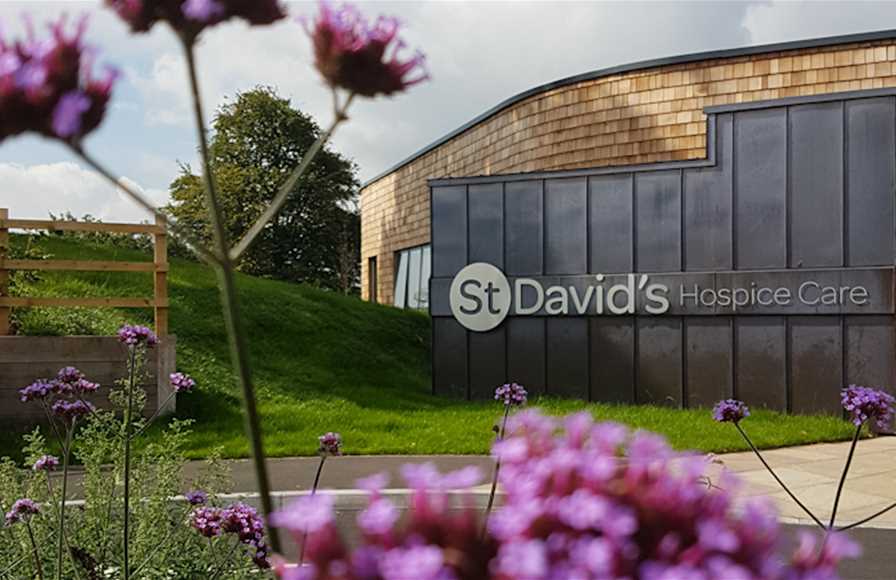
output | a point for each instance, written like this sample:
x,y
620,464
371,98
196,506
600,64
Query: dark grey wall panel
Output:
x,y
870,344
487,362
816,356
566,226
486,216
816,185
659,361
523,231
612,359
761,368
707,203
871,180
567,357
708,360
526,353
449,357
449,230
760,187
610,208
658,221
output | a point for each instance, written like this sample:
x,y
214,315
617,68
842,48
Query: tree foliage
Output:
x,y
257,139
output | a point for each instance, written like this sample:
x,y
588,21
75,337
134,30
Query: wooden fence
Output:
x,y
158,267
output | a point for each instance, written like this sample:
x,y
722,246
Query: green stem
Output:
x,y
132,379
66,450
239,350
775,476
34,552
286,188
852,450
491,495
320,468
153,417
868,519
223,565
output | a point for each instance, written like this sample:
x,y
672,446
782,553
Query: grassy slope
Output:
x,y
328,362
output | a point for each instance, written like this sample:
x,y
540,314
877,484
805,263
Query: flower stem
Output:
x,y
223,565
491,495
852,450
153,417
34,552
320,468
132,379
283,193
239,350
66,451
775,476
868,519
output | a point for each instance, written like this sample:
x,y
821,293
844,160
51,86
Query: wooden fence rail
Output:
x,y
158,267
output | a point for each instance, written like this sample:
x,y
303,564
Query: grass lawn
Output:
x,y
326,362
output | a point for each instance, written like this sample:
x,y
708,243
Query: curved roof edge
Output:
x,y
644,64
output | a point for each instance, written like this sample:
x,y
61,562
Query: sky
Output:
x,y
478,54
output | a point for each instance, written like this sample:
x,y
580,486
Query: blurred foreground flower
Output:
x,y
866,404
47,85
597,501
190,17
439,540
361,57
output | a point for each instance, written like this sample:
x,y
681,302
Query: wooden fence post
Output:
x,y
4,273
160,256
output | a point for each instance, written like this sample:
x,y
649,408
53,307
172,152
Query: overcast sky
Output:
x,y
479,53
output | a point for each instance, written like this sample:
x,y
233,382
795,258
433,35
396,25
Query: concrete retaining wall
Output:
x,y
23,359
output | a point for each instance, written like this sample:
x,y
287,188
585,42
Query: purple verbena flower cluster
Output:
x,y
596,501
190,17
63,395
196,497
361,57
21,509
134,335
330,444
438,541
182,383
511,394
730,411
239,519
47,85
46,463
864,404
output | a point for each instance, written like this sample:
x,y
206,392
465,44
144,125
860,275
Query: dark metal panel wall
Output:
x,y
871,180
793,186
760,182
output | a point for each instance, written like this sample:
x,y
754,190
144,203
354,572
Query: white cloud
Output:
x,y
36,190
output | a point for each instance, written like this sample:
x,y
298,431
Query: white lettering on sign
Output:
x,y
481,296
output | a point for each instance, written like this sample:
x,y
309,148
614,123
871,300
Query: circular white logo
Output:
x,y
480,297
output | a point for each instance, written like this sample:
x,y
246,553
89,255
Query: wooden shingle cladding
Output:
x,y
641,116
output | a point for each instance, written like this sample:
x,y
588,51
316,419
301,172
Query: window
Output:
x,y
412,278
371,278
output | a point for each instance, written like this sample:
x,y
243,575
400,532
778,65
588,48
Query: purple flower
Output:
x,y
308,514
330,444
47,85
38,390
69,375
511,394
244,522
190,17
379,518
196,497
21,509
136,335
418,562
206,521
730,411
46,463
864,403
361,57
71,411
71,381
182,383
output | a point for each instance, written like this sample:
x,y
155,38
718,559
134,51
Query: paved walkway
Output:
x,y
812,472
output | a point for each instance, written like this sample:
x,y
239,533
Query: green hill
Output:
x,y
327,362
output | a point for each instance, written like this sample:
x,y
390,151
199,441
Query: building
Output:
x,y
642,113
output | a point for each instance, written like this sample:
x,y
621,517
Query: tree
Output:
x,y
258,138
